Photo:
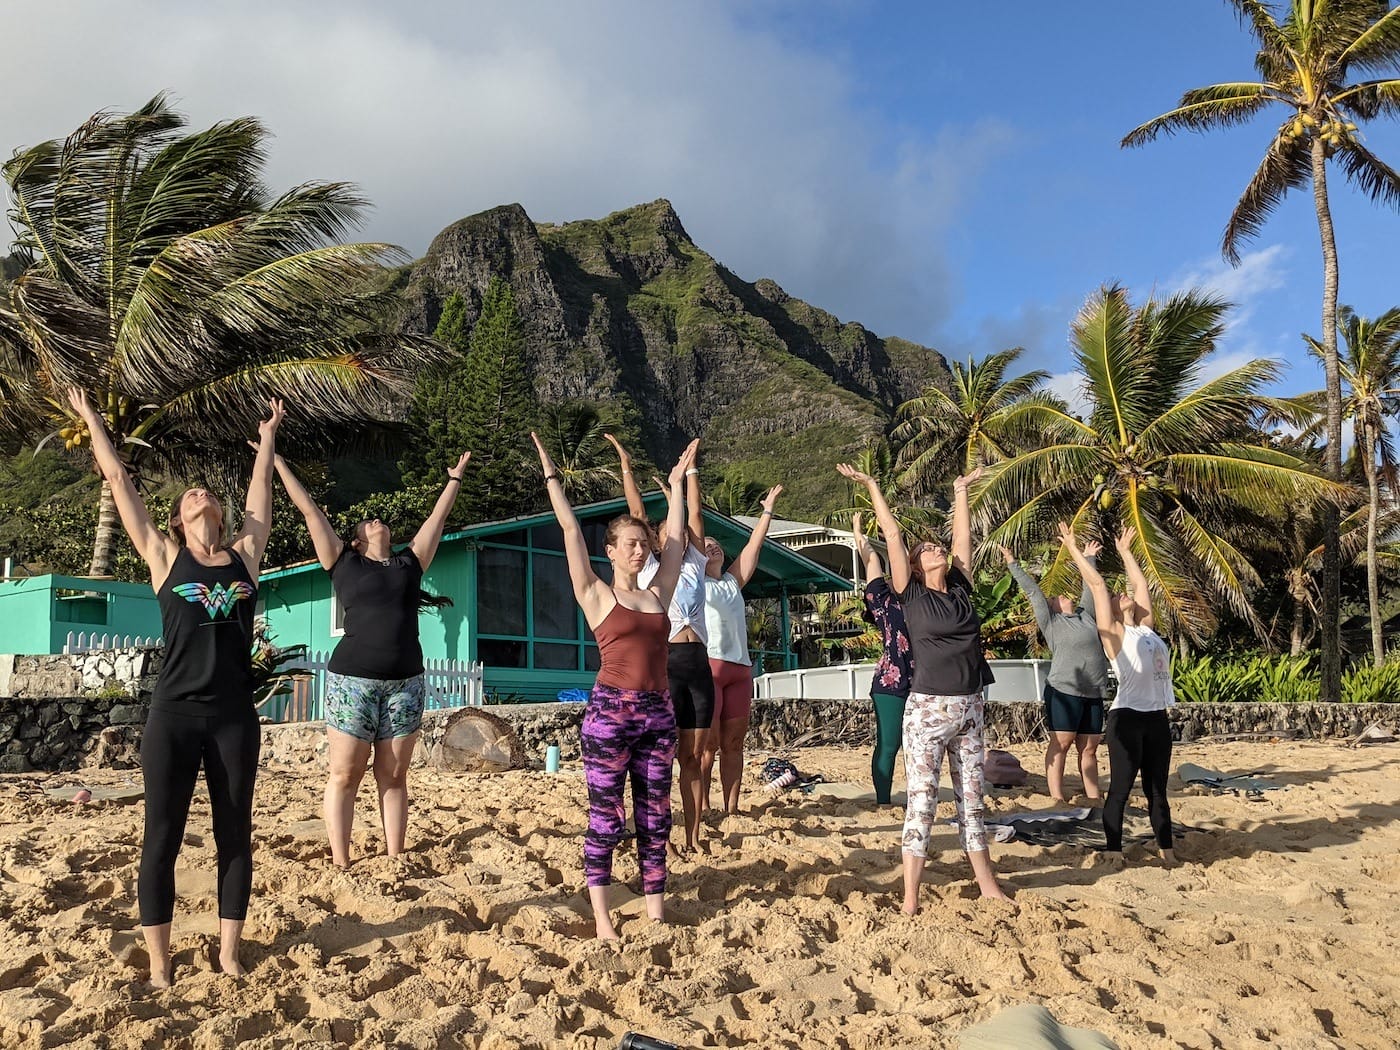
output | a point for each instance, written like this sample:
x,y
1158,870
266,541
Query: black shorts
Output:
x,y
1065,713
692,685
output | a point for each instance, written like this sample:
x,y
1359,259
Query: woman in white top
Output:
x,y
1137,731
692,686
727,625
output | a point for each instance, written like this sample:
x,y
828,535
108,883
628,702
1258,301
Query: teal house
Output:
x,y
50,613
514,608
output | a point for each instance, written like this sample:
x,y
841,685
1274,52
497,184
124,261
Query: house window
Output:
x,y
337,617
525,602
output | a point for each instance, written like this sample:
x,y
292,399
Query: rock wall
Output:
x,y
67,732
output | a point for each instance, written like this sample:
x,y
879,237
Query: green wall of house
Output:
x,y
37,613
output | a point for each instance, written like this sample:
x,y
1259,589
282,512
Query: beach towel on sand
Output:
x,y
1030,1027
1250,783
1066,827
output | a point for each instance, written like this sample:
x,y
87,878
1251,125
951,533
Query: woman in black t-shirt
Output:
x,y
943,715
374,691
202,709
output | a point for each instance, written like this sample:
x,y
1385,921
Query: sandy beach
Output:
x,y
1278,930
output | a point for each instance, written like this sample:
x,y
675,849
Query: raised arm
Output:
x,y
425,543
1110,629
1086,595
155,547
323,537
694,509
673,554
1137,579
1031,589
635,506
962,523
865,550
588,589
251,540
746,564
894,539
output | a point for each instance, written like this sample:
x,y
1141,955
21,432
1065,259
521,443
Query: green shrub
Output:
x,y
1366,684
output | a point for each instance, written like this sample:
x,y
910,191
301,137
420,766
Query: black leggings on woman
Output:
x,y
1138,740
172,749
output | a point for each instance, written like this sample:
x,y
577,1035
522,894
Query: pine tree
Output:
x,y
484,403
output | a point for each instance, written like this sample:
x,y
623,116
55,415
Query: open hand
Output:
x,y
687,460
772,498
1092,549
1066,536
1006,554
622,455
1125,539
965,480
82,407
267,428
461,466
849,472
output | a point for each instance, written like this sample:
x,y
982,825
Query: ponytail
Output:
x,y
433,601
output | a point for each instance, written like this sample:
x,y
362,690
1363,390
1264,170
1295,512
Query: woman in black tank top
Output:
x,y
374,693
202,710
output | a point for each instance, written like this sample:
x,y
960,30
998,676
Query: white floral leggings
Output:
x,y
935,726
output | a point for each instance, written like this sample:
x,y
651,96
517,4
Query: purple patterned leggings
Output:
x,y
628,733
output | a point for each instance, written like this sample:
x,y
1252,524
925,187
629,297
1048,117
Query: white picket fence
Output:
x,y
82,642
450,683
1015,680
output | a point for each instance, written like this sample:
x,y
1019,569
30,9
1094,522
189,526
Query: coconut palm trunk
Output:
x,y
1330,625
1373,512
104,547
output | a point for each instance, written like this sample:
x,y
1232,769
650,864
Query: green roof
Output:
x,y
778,567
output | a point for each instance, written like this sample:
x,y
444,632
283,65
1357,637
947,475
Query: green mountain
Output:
x,y
628,310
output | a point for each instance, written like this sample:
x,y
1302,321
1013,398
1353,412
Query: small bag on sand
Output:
x,y
1002,769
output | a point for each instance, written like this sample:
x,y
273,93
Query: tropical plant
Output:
x,y
984,419
1180,460
1370,370
1253,678
736,495
1008,624
271,676
823,623
1369,684
916,522
164,279
1304,62
573,431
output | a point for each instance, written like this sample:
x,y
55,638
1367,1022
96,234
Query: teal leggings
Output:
x,y
889,732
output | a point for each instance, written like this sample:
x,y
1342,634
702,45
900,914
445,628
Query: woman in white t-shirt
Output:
x,y
1136,729
727,625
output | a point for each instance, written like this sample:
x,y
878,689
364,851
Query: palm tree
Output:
x,y
981,421
1180,460
736,495
574,430
164,279
1370,371
877,460
1304,62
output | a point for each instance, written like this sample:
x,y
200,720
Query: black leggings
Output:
x,y
692,685
172,748
1138,740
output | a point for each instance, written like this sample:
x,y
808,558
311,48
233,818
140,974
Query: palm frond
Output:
x,y
1216,106
1368,173
1286,166
1377,48
1216,410
1253,477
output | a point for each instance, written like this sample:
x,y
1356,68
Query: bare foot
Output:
x,y
164,979
1111,859
1169,858
231,965
993,892
605,931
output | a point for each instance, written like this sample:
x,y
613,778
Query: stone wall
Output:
x,y
66,732
59,712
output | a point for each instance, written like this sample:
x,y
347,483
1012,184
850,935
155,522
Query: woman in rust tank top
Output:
x,y
629,728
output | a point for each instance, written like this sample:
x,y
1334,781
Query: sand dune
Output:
x,y
1279,930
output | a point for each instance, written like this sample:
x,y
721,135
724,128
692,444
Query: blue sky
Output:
x,y
945,172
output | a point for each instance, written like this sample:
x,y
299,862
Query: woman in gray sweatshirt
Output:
x,y
1078,681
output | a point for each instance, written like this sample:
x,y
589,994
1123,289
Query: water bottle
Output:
x,y
637,1041
551,759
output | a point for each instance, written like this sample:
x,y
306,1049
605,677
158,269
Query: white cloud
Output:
x,y
441,109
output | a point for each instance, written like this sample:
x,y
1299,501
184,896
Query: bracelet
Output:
x,y
767,512
551,477
691,471
452,477
626,471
